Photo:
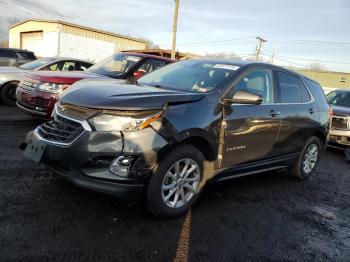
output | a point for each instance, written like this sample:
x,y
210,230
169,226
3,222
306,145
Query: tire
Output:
x,y
308,160
164,176
8,94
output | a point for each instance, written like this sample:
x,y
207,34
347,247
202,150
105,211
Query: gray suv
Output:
x,y
15,57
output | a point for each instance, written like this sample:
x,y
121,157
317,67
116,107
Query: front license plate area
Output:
x,y
35,150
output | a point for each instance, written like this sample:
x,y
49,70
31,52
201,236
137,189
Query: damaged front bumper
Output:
x,y
90,161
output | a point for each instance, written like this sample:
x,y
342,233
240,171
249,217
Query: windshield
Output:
x,y
190,76
339,98
36,64
115,65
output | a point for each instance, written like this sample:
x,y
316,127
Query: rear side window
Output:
x,y
288,90
81,66
7,53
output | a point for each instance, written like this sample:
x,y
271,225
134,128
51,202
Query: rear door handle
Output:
x,y
274,113
311,110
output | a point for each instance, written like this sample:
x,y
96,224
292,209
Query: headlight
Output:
x,y
108,122
52,87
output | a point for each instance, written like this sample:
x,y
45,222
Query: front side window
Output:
x,y
259,81
190,76
52,67
288,90
115,65
339,98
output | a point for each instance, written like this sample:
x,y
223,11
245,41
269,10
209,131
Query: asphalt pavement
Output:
x,y
265,217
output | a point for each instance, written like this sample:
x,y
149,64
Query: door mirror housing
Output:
x,y
244,97
138,74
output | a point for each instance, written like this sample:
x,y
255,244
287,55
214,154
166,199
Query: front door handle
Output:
x,y
274,113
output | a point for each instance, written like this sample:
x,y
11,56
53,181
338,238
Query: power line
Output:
x,y
293,63
316,41
314,60
217,41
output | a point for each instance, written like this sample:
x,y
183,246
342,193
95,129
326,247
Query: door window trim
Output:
x,y
300,80
248,71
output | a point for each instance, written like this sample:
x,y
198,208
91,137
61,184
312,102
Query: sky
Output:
x,y
303,31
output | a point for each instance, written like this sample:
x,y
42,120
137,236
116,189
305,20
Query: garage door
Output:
x,y
33,41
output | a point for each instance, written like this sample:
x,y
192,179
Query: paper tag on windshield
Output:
x,y
133,58
227,67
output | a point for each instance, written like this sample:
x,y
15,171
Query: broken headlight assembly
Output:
x,y
106,122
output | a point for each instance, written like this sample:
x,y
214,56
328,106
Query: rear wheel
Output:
x,y
8,93
177,182
308,160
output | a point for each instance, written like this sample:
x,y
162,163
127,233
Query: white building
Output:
x,y
49,38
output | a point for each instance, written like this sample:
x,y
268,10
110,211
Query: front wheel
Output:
x,y
308,160
176,182
8,94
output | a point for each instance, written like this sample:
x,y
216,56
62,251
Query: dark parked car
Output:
x,y
340,129
37,94
15,57
177,128
10,76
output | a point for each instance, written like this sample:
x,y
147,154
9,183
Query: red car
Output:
x,y
37,93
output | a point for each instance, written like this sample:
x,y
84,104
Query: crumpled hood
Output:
x,y
341,110
121,95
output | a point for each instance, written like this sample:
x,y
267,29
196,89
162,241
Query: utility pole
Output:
x,y
274,53
259,46
176,15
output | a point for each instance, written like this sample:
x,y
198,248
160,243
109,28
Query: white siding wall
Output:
x,y
76,46
50,44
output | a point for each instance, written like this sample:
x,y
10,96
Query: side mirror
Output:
x,y
138,74
244,97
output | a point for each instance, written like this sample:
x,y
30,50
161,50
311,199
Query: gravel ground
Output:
x,y
267,217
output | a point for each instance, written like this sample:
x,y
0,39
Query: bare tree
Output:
x,y
318,66
223,55
149,43
4,44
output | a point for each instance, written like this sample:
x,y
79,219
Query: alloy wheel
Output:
x,y
180,183
310,158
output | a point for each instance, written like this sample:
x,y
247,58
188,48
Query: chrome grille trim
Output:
x,y
340,123
29,83
73,130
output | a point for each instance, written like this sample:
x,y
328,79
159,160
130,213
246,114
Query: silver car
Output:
x,y
11,76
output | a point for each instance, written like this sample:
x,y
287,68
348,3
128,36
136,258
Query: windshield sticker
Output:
x,y
228,67
133,58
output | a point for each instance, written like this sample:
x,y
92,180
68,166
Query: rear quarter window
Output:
x,y
26,55
316,90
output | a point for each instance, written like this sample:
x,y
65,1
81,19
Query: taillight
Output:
x,y
330,113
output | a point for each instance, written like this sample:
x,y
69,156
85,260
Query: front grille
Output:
x,y
40,102
28,98
28,83
340,123
60,130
